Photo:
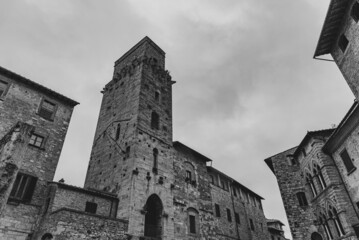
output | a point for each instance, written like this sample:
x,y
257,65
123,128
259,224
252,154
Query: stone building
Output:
x,y
314,196
140,184
275,228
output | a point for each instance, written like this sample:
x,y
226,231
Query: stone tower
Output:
x,y
132,152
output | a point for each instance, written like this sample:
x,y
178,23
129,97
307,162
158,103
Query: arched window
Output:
x,y
47,236
316,236
153,218
318,173
155,121
193,226
309,180
333,214
323,220
155,160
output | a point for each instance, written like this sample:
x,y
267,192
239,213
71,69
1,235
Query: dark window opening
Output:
x,y
347,161
3,88
236,216
304,152
128,150
155,159
234,192
157,96
218,211
356,230
118,131
23,188
355,11
302,199
192,224
343,42
47,110
229,216
155,121
36,140
188,175
252,224
91,207
212,179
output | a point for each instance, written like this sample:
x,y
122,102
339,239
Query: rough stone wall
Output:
x,y
351,180
304,220
66,224
195,195
125,165
348,62
21,103
76,200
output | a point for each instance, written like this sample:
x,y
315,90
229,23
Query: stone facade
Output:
x,y
139,184
314,196
164,187
340,38
275,228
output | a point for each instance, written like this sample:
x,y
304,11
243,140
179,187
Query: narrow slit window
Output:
x,y
217,210
229,216
343,42
188,175
236,216
155,158
118,131
192,224
155,121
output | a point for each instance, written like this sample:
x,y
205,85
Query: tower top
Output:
x,y
144,41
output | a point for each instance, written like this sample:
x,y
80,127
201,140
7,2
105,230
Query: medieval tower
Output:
x,y
132,152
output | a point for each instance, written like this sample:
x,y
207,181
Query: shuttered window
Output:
x,y
23,188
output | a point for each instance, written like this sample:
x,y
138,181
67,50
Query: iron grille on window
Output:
x,y
91,207
36,140
23,188
47,110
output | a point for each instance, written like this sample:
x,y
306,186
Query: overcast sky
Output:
x,y
247,86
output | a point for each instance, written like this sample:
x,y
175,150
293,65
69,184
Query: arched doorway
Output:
x,y
153,218
316,236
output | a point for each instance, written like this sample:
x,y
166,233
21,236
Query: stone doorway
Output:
x,y
316,236
153,217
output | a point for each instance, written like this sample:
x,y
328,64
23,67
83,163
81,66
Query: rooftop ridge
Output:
x,y
144,40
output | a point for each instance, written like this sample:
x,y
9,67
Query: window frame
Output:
x,y
52,117
347,160
37,135
24,185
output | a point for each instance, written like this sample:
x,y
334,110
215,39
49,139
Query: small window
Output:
x,y
218,211
47,109
118,131
192,224
302,199
343,42
3,88
347,161
252,224
128,151
229,216
155,121
234,191
155,159
23,188
91,207
188,175
355,11
36,140
157,96
212,179
236,216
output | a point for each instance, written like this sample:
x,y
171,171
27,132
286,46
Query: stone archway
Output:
x,y
153,217
316,236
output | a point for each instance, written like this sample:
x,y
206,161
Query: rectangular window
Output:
x,y
302,200
47,109
23,188
36,140
229,217
91,207
192,224
212,179
343,42
252,224
347,161
236,216
3,88
355,11
234,191
218,211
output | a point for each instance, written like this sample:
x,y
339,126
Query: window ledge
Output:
x,y
351,171
39,148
